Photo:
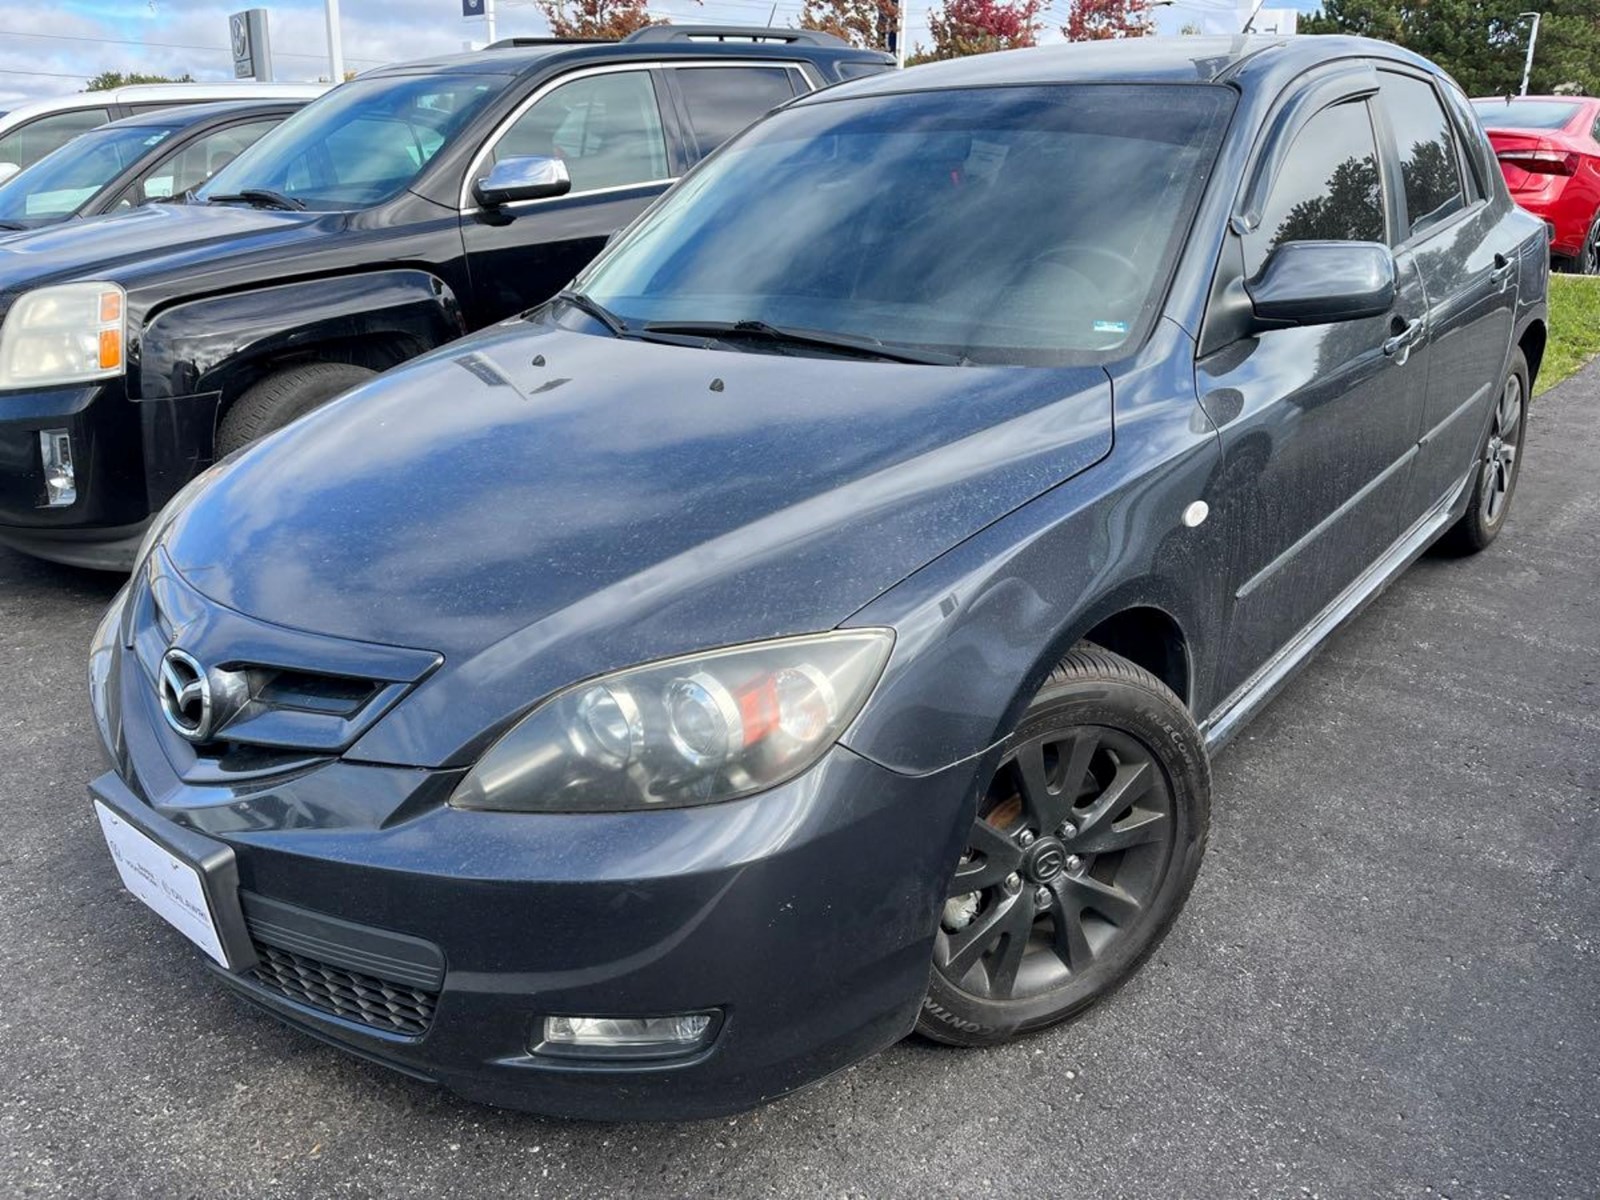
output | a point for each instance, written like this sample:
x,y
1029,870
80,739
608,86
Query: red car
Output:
x,y
1549,149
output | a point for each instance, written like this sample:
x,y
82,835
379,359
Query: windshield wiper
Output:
x,y
260,198
12,225
869,347
596,310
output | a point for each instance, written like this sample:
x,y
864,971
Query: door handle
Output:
x,y
1501,275
1403,338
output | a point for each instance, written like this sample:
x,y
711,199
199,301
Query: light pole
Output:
x,y
335,46
1533,36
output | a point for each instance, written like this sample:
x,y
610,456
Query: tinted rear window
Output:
x,y
723,100
1525,114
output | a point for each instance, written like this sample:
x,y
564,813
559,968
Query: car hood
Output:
x,y
540,504
155,239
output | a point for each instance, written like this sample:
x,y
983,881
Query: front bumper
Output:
x,y
803,916
128,460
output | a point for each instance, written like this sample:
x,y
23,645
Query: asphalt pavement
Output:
x,y
1387,982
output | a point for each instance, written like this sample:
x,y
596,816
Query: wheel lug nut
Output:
x,y
1042,897
1073,862
1013,882
1069,830
1026,837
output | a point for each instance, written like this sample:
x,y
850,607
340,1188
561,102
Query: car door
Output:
x,y
1467,254
1318,422
606,124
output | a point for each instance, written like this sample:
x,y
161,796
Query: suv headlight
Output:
x,y
692,730
69,333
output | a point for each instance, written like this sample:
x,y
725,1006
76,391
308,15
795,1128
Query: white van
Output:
x,y
30,131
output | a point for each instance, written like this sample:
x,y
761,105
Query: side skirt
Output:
x,y
1249,697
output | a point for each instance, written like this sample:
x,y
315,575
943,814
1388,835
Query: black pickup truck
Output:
x,y
401,210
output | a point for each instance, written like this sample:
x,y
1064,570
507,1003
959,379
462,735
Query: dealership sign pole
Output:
x,y
335,46
252,49
480,8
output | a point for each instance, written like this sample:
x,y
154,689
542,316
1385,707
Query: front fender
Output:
x,y
217,344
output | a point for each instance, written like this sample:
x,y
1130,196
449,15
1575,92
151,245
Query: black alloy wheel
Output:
x,y
1497,467
1085,845
1588,260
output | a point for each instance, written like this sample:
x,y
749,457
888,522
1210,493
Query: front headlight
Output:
x,y
69,333
692,730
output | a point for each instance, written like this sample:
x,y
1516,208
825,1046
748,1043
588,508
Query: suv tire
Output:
x,y
279,399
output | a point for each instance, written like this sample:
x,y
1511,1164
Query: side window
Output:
x,y
607,128
198,161
723,100
1328,188
28,143
1430,167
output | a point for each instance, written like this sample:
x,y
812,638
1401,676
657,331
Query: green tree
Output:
x,y
1481,42
107,80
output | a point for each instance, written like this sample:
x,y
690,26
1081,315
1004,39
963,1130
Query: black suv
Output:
x,y
397,212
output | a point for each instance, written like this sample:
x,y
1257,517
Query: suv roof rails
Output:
x,y
734,33
511,43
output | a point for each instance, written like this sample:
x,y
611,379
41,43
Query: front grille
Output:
x,y
392,1007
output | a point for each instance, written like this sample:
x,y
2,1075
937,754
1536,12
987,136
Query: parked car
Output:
x,y
648,706
401,210
124,165
30,131
1549,149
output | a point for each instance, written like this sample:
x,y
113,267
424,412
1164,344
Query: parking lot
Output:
x,y
1387,982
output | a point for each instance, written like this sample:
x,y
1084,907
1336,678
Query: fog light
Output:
x,y
60,484
626,1037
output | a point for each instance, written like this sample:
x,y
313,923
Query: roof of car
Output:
x,y
520,56
178,93
1134,60
187,115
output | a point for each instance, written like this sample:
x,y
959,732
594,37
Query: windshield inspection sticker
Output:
x,y
1111,327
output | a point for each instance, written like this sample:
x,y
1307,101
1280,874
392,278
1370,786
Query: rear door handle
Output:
x,y
1501,275
1403,339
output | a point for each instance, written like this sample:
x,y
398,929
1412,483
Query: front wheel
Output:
x,y
279,399
1086,843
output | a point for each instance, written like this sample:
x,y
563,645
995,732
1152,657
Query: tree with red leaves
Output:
x,y
966,27
1101,20
614,19
868,24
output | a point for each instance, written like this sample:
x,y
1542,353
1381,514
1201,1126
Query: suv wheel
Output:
x,y
1087,841
1498,464
278,399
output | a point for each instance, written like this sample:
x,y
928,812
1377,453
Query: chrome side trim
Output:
x,y
1248,698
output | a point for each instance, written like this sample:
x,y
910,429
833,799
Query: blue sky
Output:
x,y
47,48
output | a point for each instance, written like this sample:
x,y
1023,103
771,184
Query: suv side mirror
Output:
x,y
1318,283
513,179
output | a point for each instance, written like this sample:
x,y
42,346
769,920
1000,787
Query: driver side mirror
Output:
x,y
1319,283
530,178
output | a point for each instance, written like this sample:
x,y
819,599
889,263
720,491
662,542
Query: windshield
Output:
x,y
62,182
1002,225
1524,114
360,144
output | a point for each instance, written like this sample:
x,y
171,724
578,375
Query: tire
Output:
x,y
1497,467
278,399
1039,924
1587,261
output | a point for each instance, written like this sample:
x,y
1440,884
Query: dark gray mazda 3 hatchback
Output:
x,y
813,625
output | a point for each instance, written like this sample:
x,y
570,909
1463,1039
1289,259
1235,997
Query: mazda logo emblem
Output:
x,y
185,693
1048,863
